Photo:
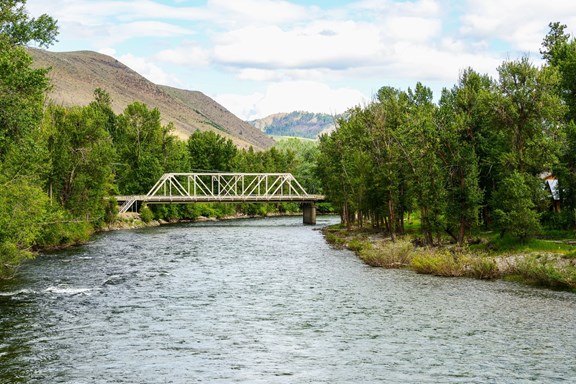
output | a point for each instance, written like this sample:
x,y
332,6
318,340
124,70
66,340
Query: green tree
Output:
x,y
304,153
429,173
514,211
18,29
460,114
559,50
525,117
527,113
23,204
210,152
139,145
81,155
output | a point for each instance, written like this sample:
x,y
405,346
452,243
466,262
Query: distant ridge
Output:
x,y
297,124
75,76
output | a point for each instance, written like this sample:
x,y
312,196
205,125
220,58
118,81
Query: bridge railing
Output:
x,y
215,185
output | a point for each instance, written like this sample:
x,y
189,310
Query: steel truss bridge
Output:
x,y
185,188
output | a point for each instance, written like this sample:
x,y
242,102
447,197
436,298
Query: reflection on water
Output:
x,y
267,301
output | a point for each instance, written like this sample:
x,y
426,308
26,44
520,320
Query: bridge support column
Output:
x,y
309,211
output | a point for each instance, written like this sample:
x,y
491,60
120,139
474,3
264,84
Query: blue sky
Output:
x,y
258,57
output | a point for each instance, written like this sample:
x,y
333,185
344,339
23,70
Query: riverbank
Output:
x,y
133,220
546,268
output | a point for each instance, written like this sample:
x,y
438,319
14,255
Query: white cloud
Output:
x,y
92,12
119,33
317,45
189,55
108,51
522,23
149,70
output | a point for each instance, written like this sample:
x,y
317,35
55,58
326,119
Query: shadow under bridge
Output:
x,y
185,188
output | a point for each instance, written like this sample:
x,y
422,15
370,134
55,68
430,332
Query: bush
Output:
x,y
146,214
10,259
482,267
388,254
439,263
64,233
547,271
334,240
358,245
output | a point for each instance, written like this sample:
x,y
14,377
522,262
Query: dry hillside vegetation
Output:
x,y
75,76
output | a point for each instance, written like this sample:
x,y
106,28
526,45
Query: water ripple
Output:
x,y
267,301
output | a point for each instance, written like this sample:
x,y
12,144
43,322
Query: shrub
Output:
x,y
388,254
439,263
334,239
64,233
547,271
358,245
10,259
482,267
146,214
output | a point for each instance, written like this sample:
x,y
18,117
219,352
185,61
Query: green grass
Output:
x,y
499,245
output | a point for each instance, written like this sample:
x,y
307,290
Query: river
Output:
x,y
268,301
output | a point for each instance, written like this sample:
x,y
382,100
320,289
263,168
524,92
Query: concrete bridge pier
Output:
x,y
309,211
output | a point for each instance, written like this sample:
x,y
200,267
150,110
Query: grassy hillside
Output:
x,y
75,76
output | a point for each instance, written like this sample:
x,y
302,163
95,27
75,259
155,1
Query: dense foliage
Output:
x,y
476,158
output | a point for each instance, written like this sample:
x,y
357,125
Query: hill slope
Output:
x,y
75,76
299,124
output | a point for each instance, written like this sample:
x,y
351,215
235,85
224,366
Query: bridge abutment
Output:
x,y
309,213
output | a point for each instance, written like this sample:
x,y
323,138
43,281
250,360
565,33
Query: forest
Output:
x,y
477,159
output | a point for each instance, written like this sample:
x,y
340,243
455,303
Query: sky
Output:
x,y
259,57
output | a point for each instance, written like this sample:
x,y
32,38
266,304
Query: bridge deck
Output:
x,y
156,199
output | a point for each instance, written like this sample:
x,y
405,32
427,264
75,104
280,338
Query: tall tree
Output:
x,y
81,155
22,201
429,174
526,117
460,114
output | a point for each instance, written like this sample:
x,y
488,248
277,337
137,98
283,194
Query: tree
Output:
x,y
139,145
81,155
423,140
210,152
527,113
460,113
554,43
514,207
23,204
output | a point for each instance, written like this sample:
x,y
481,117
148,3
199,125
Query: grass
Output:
x,y
387,254
543,270
500,245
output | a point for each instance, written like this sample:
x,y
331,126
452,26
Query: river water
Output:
x,y
268,301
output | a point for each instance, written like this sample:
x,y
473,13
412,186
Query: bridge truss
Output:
x,y
222,187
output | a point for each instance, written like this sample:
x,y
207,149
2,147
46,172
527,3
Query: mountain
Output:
x,y
75,76
299,124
